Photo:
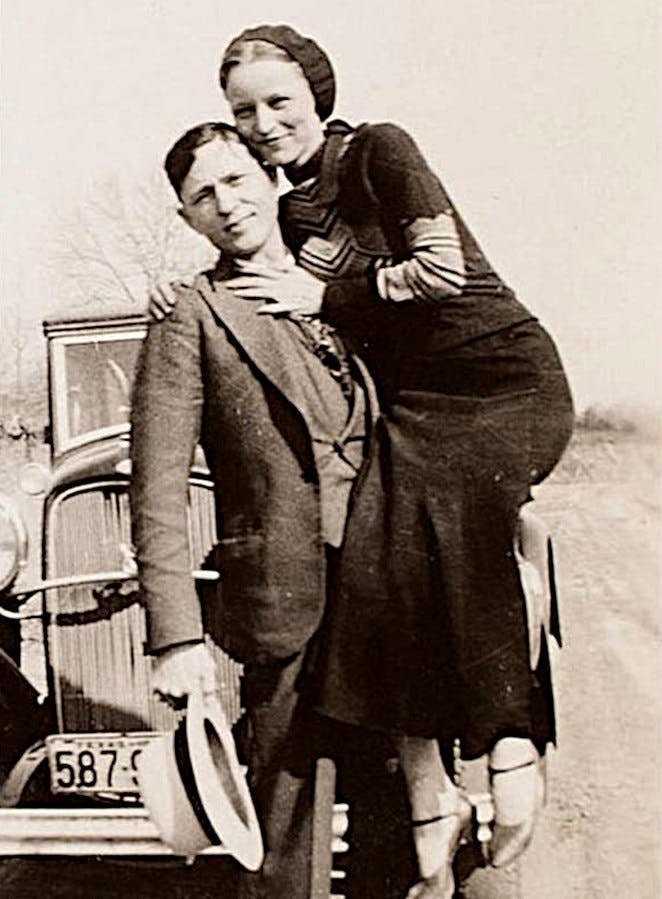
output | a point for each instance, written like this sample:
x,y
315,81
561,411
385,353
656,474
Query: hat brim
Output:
x,y
220,782
195,790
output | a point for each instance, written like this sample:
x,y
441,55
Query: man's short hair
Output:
x,y
181,155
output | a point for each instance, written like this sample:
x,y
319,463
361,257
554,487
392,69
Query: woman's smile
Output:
x,y
274,110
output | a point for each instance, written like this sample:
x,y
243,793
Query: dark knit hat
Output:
x,y
310,56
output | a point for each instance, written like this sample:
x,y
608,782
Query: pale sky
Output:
x,y
542,118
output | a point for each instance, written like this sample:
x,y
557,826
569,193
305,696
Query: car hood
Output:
x,y
102,459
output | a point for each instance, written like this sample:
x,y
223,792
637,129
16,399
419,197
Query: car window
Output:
x,y
92,381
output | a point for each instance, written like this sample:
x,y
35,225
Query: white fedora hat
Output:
x,y
195,790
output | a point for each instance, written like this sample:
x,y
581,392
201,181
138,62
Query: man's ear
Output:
x,y
181,212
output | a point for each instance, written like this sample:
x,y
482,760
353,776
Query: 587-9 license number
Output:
x,y
96,763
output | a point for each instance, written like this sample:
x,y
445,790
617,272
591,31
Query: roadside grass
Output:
x,y
611,449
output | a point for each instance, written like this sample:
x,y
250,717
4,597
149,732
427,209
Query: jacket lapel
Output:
x,y
254,333
372,399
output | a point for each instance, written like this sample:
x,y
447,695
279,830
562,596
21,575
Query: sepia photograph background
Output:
x,y
542,120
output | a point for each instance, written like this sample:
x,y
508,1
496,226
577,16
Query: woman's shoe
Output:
x,y
439,886
438,838
518,790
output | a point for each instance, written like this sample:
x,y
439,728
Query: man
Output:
x,y
284,418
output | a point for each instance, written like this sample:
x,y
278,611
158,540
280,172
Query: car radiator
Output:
x,y
94,634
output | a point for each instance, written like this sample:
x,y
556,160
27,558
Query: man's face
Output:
x,y
229,199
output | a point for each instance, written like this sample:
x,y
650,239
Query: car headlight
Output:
x,y
13,543
34,479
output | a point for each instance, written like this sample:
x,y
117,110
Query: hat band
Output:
x,y
185,768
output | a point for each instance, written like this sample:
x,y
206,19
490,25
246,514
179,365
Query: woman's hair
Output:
x,y
284,44
253,51
181,155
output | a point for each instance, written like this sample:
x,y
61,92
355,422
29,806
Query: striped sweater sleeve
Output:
x,y
414,201
434,268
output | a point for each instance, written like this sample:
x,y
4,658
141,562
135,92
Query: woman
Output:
x,y
477,409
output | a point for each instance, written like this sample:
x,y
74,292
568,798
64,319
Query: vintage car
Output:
x,y
68,757
68,781
99,712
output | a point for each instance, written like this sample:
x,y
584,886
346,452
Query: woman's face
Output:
x,y
274,110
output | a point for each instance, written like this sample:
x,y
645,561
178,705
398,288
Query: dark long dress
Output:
x,y
425,632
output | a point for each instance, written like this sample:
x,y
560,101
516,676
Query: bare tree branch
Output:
x,y
125,241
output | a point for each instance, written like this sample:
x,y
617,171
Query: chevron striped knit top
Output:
x,y
367,212
330,248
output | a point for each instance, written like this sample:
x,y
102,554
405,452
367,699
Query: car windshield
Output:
x,y
92,376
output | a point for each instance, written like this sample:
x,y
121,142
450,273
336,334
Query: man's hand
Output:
x,y
183,670
288,290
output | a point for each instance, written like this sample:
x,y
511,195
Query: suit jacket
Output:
x,y
208,374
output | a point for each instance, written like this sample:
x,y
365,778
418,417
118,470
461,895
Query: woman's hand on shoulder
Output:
x,y
287,290
162,299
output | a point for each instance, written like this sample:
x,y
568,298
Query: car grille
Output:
x,y
95,633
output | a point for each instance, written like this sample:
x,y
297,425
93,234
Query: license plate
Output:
x,y
95,763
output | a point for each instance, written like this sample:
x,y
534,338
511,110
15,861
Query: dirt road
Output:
x,y
600,833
